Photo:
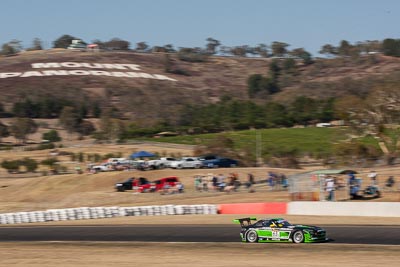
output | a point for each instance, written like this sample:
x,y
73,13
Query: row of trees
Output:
x,y
51,107
239,115
389,46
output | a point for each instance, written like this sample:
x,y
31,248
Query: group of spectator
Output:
x,y
231,182
176,189
277,181
355,185
220,182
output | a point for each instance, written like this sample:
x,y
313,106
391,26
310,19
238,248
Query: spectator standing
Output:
x,y
271,180
330,188
197,183
250,182
374,177
390,182
204,182
284,180
221,182
354,186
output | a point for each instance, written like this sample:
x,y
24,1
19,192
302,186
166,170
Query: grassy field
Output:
x,y
314,141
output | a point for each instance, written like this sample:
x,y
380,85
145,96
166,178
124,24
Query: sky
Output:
x,y
188,23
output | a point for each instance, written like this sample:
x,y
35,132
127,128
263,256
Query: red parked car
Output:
x,y
159,184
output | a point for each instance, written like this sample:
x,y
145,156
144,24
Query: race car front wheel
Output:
x,y
252,236
298,237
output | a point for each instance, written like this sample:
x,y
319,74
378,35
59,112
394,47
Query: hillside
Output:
x,y
140,87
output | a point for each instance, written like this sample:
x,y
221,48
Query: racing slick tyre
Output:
x,y
298,237
252,236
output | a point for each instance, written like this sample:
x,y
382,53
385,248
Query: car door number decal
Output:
x,y
275,234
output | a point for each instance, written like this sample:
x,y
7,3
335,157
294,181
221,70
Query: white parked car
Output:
x,y
187,162
161,163
102,167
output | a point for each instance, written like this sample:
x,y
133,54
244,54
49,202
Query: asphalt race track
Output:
x,y
343,234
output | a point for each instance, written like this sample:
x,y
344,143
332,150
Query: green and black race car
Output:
x,y
278,230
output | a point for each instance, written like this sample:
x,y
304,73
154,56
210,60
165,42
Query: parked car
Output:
x,y
131,183
102,167
164,162
187,162
159,184
219,162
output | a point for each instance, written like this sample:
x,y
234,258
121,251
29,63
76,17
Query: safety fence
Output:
x,y
84,213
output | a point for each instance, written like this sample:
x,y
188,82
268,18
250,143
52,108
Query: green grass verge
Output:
x,y
313,141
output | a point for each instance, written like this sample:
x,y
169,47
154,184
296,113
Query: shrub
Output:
x,y
51,136
12,166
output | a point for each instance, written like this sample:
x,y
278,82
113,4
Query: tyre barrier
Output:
x,y
85,213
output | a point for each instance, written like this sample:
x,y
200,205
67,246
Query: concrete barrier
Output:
x,y
379,209
253,208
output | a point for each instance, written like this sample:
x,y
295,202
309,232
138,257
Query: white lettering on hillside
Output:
x,y
31,73
85,65
83,68
55,72
85,73
45,65
9,74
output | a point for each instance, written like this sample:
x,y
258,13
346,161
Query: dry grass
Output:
x,y
198,255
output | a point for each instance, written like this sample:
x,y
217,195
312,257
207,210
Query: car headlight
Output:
x,y
311,232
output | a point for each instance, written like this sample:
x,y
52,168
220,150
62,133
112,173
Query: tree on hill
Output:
x,y
240,51
303,109
11,48
391,47
344,48
86,127
37,44
328,50
110,127
70,119
212,45
262,50
189,54
63,41
258,83
169,48
51,136
369,46
141,47
303,54
117,44
279,49
22,127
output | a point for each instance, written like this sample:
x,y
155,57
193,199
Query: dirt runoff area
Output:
x,y
99,254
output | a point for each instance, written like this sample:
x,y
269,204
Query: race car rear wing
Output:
x,y
245,221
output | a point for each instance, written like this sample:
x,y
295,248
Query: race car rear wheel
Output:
x,y
298,237
252,236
